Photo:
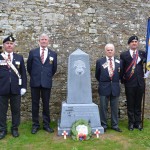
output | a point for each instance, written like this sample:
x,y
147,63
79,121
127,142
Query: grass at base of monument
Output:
x,y
111,140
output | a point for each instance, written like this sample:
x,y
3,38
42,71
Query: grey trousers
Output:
x,y
104,110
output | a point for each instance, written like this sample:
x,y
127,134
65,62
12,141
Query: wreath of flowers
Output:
x,y
78,130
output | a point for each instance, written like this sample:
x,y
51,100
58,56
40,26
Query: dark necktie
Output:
x,y
42,56
134,54
9,59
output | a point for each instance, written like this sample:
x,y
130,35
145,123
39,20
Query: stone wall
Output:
x,y
72,24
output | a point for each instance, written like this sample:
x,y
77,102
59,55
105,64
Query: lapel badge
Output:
x,y
51,60
18,64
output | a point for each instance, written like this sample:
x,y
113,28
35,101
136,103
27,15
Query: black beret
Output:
x,y
9,38
134,37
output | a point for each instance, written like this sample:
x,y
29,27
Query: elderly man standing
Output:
x,y
108,75
13,84
133,79
41,66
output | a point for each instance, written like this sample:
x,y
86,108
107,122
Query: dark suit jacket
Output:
x,y
137,78
106,86
41,74
7,76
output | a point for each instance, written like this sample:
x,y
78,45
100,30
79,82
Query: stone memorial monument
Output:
x,y
79,103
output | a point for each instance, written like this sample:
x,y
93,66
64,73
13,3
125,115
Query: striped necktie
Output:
x,y
133,55
111,71
42,56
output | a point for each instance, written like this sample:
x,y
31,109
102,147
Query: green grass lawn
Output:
x,y
111,140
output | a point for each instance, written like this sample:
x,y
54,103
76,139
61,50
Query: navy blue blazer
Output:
x,y
9,81
137,78
106,86
41,74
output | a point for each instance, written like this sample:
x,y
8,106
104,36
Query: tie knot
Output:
x,y
110,59
133,54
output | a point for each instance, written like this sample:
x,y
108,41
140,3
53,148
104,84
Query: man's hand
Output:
x,y
146,74
22,91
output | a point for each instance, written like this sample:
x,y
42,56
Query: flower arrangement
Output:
x,y
81,130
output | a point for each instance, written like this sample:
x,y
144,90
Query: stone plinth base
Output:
x,y
73,112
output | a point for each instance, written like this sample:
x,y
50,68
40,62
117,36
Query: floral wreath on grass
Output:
x,y
81,130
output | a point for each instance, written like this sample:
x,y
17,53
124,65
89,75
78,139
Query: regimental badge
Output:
x,y
18,64
105,65
51,60
117,61
3,62
10,38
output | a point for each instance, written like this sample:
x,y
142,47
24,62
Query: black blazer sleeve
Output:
x,y
23,74
97,70
29,62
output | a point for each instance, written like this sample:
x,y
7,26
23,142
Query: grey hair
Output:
x,y
110,45
43,34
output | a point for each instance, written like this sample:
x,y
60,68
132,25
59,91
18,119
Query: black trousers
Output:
x,y
36,94
134,99
15,111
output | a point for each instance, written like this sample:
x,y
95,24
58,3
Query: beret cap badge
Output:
x,y
134,37
9,38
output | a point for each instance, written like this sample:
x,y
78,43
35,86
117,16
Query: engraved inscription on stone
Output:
x,y
79,67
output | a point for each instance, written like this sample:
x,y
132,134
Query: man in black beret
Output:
x,y
9,38
13,83
132,77
134,37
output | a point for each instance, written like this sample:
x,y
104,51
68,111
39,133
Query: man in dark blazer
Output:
x,y
108,75
41,66
132,77
13,84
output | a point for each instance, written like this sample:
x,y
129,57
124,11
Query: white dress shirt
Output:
x,y
11,55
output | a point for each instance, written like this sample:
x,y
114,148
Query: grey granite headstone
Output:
x,y
79,80
79,103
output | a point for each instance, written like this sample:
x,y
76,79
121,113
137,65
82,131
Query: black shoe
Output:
x,y
139,127
131,127
48,129
15,133
34,130
2,134
117,129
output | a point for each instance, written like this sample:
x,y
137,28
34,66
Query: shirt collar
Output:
x,y
107,58
131,51
6,53
45,49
